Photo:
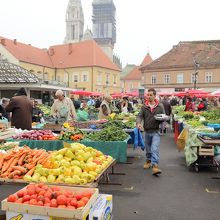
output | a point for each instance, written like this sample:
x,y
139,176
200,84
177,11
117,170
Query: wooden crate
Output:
x,y
206,151
54,212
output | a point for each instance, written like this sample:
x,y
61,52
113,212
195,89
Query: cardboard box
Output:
x,y
102,208
57,213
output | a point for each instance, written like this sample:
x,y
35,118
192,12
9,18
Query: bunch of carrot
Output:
x,y
19,162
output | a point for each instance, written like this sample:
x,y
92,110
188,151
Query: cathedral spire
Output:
x,y
74,22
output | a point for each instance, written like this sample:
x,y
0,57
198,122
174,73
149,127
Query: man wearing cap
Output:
x,y
105,108
63,107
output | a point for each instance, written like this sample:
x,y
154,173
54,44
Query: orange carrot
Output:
x,y
16,172
1,160
21,159
7,164
30,166
30,172
20,168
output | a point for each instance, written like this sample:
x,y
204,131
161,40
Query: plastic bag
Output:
x,y
138,139
82,116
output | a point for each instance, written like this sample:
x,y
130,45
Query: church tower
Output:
x,y
74,22
104,25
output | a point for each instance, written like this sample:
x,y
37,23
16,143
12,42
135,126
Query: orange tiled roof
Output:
x,y
82,54
85,53
147,60
26,52
135,73
206,53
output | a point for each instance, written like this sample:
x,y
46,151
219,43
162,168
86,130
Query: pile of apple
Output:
x,y
76,164
50,196
36,135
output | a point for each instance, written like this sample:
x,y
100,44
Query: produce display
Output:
x,y
76,164
8,146
21,161
119,124
51,196
45,109
36,135
211,116
109,133
73,134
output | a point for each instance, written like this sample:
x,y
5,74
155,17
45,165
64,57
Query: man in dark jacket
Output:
x,y
151,128
21,107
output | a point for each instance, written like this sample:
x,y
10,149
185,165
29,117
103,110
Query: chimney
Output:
x,y
70,48
15,41
51,51
3,41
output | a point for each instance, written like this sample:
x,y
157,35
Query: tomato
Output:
x,y
85,200
73,202
38,189
41,185
87,194
12,198
47,204
61,206
68,200
34,196
53,203
70,207
78,196
80,204
41,198
40,203
61,200
21,193
42,192
46,200
33,202
45,187
27,202
19,200
26,198
55,188
48,195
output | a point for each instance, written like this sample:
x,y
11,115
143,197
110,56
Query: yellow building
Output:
x,y
80,65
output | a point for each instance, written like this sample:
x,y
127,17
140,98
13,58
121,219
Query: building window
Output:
x,y
130,85
114,80
99,79
208,77
85,78
107,78
75,78
166,78
179,78
194,78
153,79
45,76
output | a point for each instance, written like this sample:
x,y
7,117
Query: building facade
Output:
x,y
131,78
104,25
74,22
76,66
188,65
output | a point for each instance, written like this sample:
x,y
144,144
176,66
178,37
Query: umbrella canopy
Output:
x,y
96,94
164,94
81,92
196,91
216,93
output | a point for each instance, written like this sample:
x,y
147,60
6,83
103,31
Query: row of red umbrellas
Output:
x,y
193,92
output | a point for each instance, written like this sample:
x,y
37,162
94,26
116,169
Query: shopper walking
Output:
x,y
21,107
147,114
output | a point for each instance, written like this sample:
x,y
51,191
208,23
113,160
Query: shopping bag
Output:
x,y
181,140
138,139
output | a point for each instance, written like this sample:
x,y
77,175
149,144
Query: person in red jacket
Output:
x,y
189,105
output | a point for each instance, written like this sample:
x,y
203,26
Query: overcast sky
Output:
x,y
142,25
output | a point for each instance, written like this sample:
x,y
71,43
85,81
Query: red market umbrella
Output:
x,y
196,91
164,94
81,92
97,94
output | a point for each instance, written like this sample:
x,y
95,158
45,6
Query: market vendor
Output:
x,y
125,106
63,107
105,108
37,115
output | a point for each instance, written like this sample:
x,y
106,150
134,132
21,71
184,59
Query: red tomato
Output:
x,y
27,202
21,193
34,196
46,200
55,188
48,195
47,204
53,203
45,187
73,202
42,192
61,206
61,200
33,202
78,196
85,200
41,185
87,194
12,198
40,203
38,189
26,198
41,198
70,207
80,204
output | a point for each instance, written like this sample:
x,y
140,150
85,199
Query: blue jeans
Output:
x,y
152,143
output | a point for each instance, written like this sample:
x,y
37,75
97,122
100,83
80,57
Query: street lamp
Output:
x,y
196,71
